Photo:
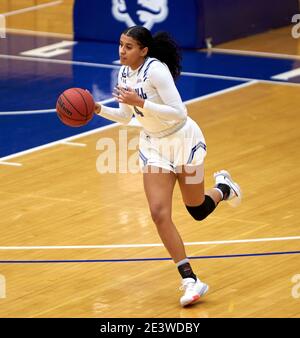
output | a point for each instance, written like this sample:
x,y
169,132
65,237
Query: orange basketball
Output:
x,y
75,107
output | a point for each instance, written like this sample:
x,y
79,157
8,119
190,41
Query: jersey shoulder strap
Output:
x,y
149,62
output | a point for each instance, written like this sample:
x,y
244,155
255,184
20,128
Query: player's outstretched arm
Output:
x,y
123,114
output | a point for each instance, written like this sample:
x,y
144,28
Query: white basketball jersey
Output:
x,y
154,83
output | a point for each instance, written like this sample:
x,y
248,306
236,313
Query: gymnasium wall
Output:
x,y
191,22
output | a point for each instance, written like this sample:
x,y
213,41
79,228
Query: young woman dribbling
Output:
x,y
171,147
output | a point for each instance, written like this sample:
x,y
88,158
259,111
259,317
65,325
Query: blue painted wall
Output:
x,y
190,22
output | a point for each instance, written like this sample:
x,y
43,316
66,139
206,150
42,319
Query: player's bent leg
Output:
x,y
198,202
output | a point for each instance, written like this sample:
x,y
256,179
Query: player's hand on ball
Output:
x,y
128,96
97,108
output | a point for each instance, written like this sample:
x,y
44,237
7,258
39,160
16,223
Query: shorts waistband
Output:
x,y
168,131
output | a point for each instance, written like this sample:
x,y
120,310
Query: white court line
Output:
x,y
222,91
254,53
216,76
52,50
13,164
39,33
63,62
43,111
75,144
103,65
113,125
28,112
237,78
32,8
120,246
287,75
51,144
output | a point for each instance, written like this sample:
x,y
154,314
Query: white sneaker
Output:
x,y
193,290
235,195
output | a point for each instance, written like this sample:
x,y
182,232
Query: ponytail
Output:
x,y
161,46
165,49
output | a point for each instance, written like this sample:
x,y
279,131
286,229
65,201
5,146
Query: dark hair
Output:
x,y
161,46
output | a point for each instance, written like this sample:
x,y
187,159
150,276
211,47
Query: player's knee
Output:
x,y
159,214
200,212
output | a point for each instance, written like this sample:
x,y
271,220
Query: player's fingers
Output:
x,y
116,97
122,90
116,91
97,108
119,98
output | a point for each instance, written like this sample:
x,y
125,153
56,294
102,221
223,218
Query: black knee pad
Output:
x,y
201,211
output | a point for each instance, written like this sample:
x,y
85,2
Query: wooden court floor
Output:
x,y
58,198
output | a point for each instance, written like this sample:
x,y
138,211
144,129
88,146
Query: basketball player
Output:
x,y
147,90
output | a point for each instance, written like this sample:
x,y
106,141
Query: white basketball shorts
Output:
x,y
185,147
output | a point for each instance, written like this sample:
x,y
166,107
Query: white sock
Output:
x,y
183,261
221,193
